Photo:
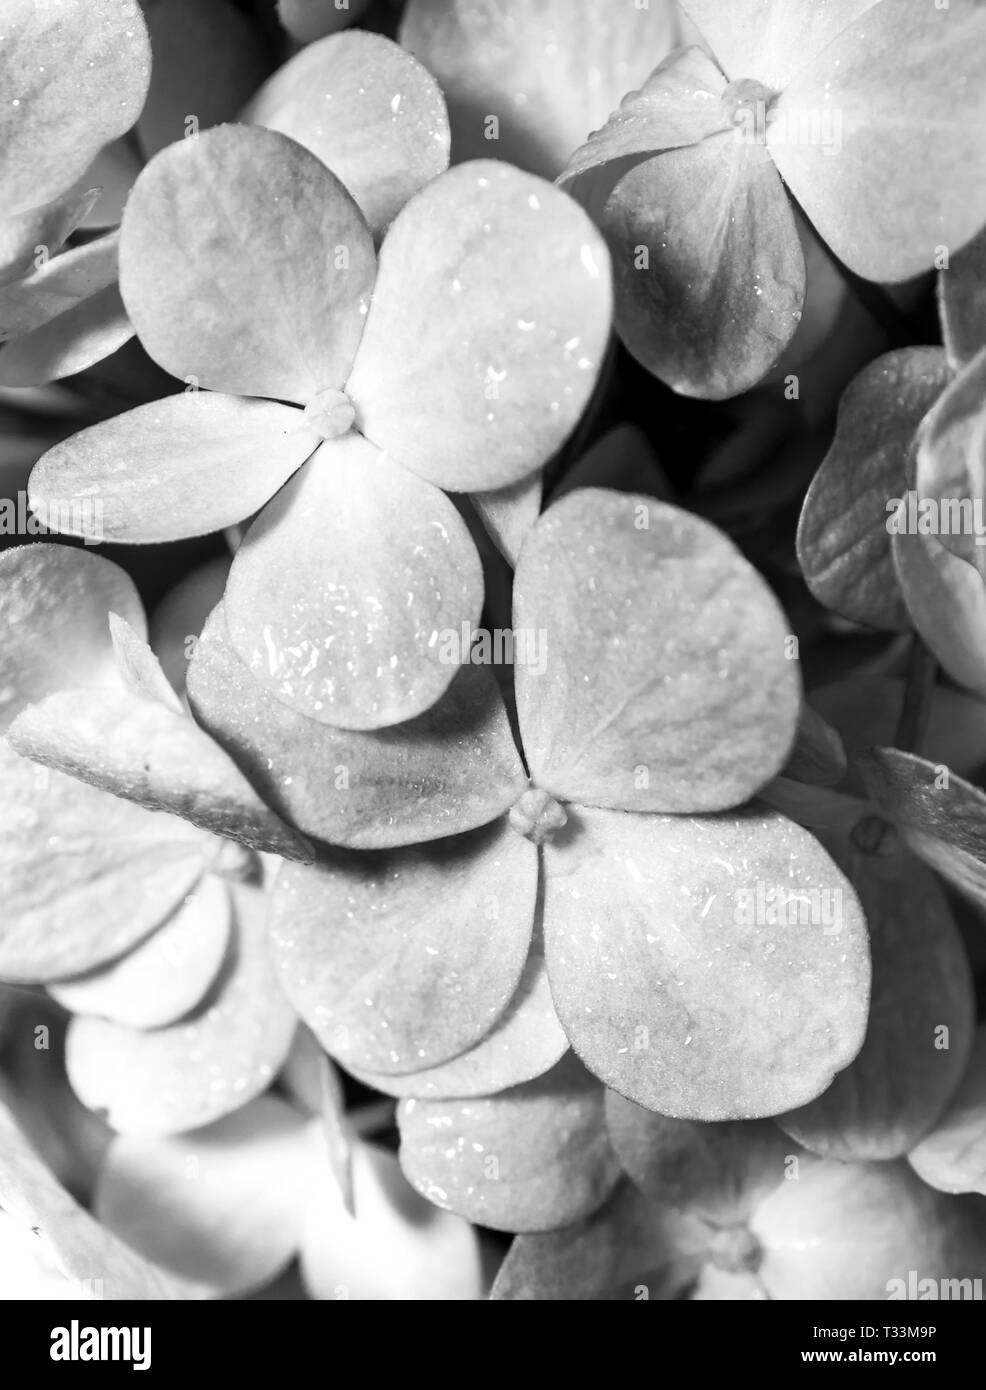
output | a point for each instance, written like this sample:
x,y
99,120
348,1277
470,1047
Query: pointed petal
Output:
x,y
672,991
348,628
164,977
49,226
532,1159
245,265
404,785
79,338
178,620
673,641
818,757
952,1157
140,670
369,110
222,455
57,286
202,1068
483,343
399,961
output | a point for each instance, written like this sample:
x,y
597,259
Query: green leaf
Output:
x,y
533,1158
844,536
222,456
342,595
952,1157
245,265
371,113
404,785
711,968
95,62
921,1021
484,342
962,303
951,463
166,976
666,684
550,70
207,1065
400,960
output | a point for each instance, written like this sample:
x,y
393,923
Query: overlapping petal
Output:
x,y
952,1157
951,463
962,303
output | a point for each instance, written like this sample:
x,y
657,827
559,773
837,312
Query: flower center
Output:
x,y
735,1248
537,816
330,413
746,105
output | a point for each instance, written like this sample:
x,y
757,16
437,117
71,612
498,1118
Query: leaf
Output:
x,y
844,535
309,20
87,333
54,603
245,265
909,172
404,785
509,513
708,266
525,1042
666,684
921,1022
353,629
962,303
206,1066
818,757
397,1247
84,1250
684,971
371,113
57,286
398,961
530,1159
549,70
166,976
98,878
223,1206
223,456
483,344
946,600
49,225
95,65
951,464
952,1158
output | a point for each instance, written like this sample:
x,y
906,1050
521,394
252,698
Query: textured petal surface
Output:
x,y
483,344
404,785
509,513
946,599
222,456
245,265
953,1156
339,597
79,338
369,110
711,968
214,1061
666,685
398,961
57,286
951,464
47,226
531,1159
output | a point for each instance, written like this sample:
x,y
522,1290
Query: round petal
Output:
x,y
369,111
666,686
398,961
342,596
531,1159
208,1065
951,464
488,327
710,969
946,600
509,513
245,265
182,466
79,338
962,303
952,1157
308,20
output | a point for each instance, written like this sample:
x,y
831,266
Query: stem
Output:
x,y
922,677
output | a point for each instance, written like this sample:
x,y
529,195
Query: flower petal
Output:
x,y
221,455
921,1023
548,70
339,596
946,600
369,110
79,338
408,784
178,620
398,961
509,513
202,1068
951,463
844,536
164,977
245,265
531,1159
483,344
49,226
909,172
962,303
54,603
952,1157
666,684
113,873
57,286
309,20
670,988
818,757
708,266
96,60
224,1206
